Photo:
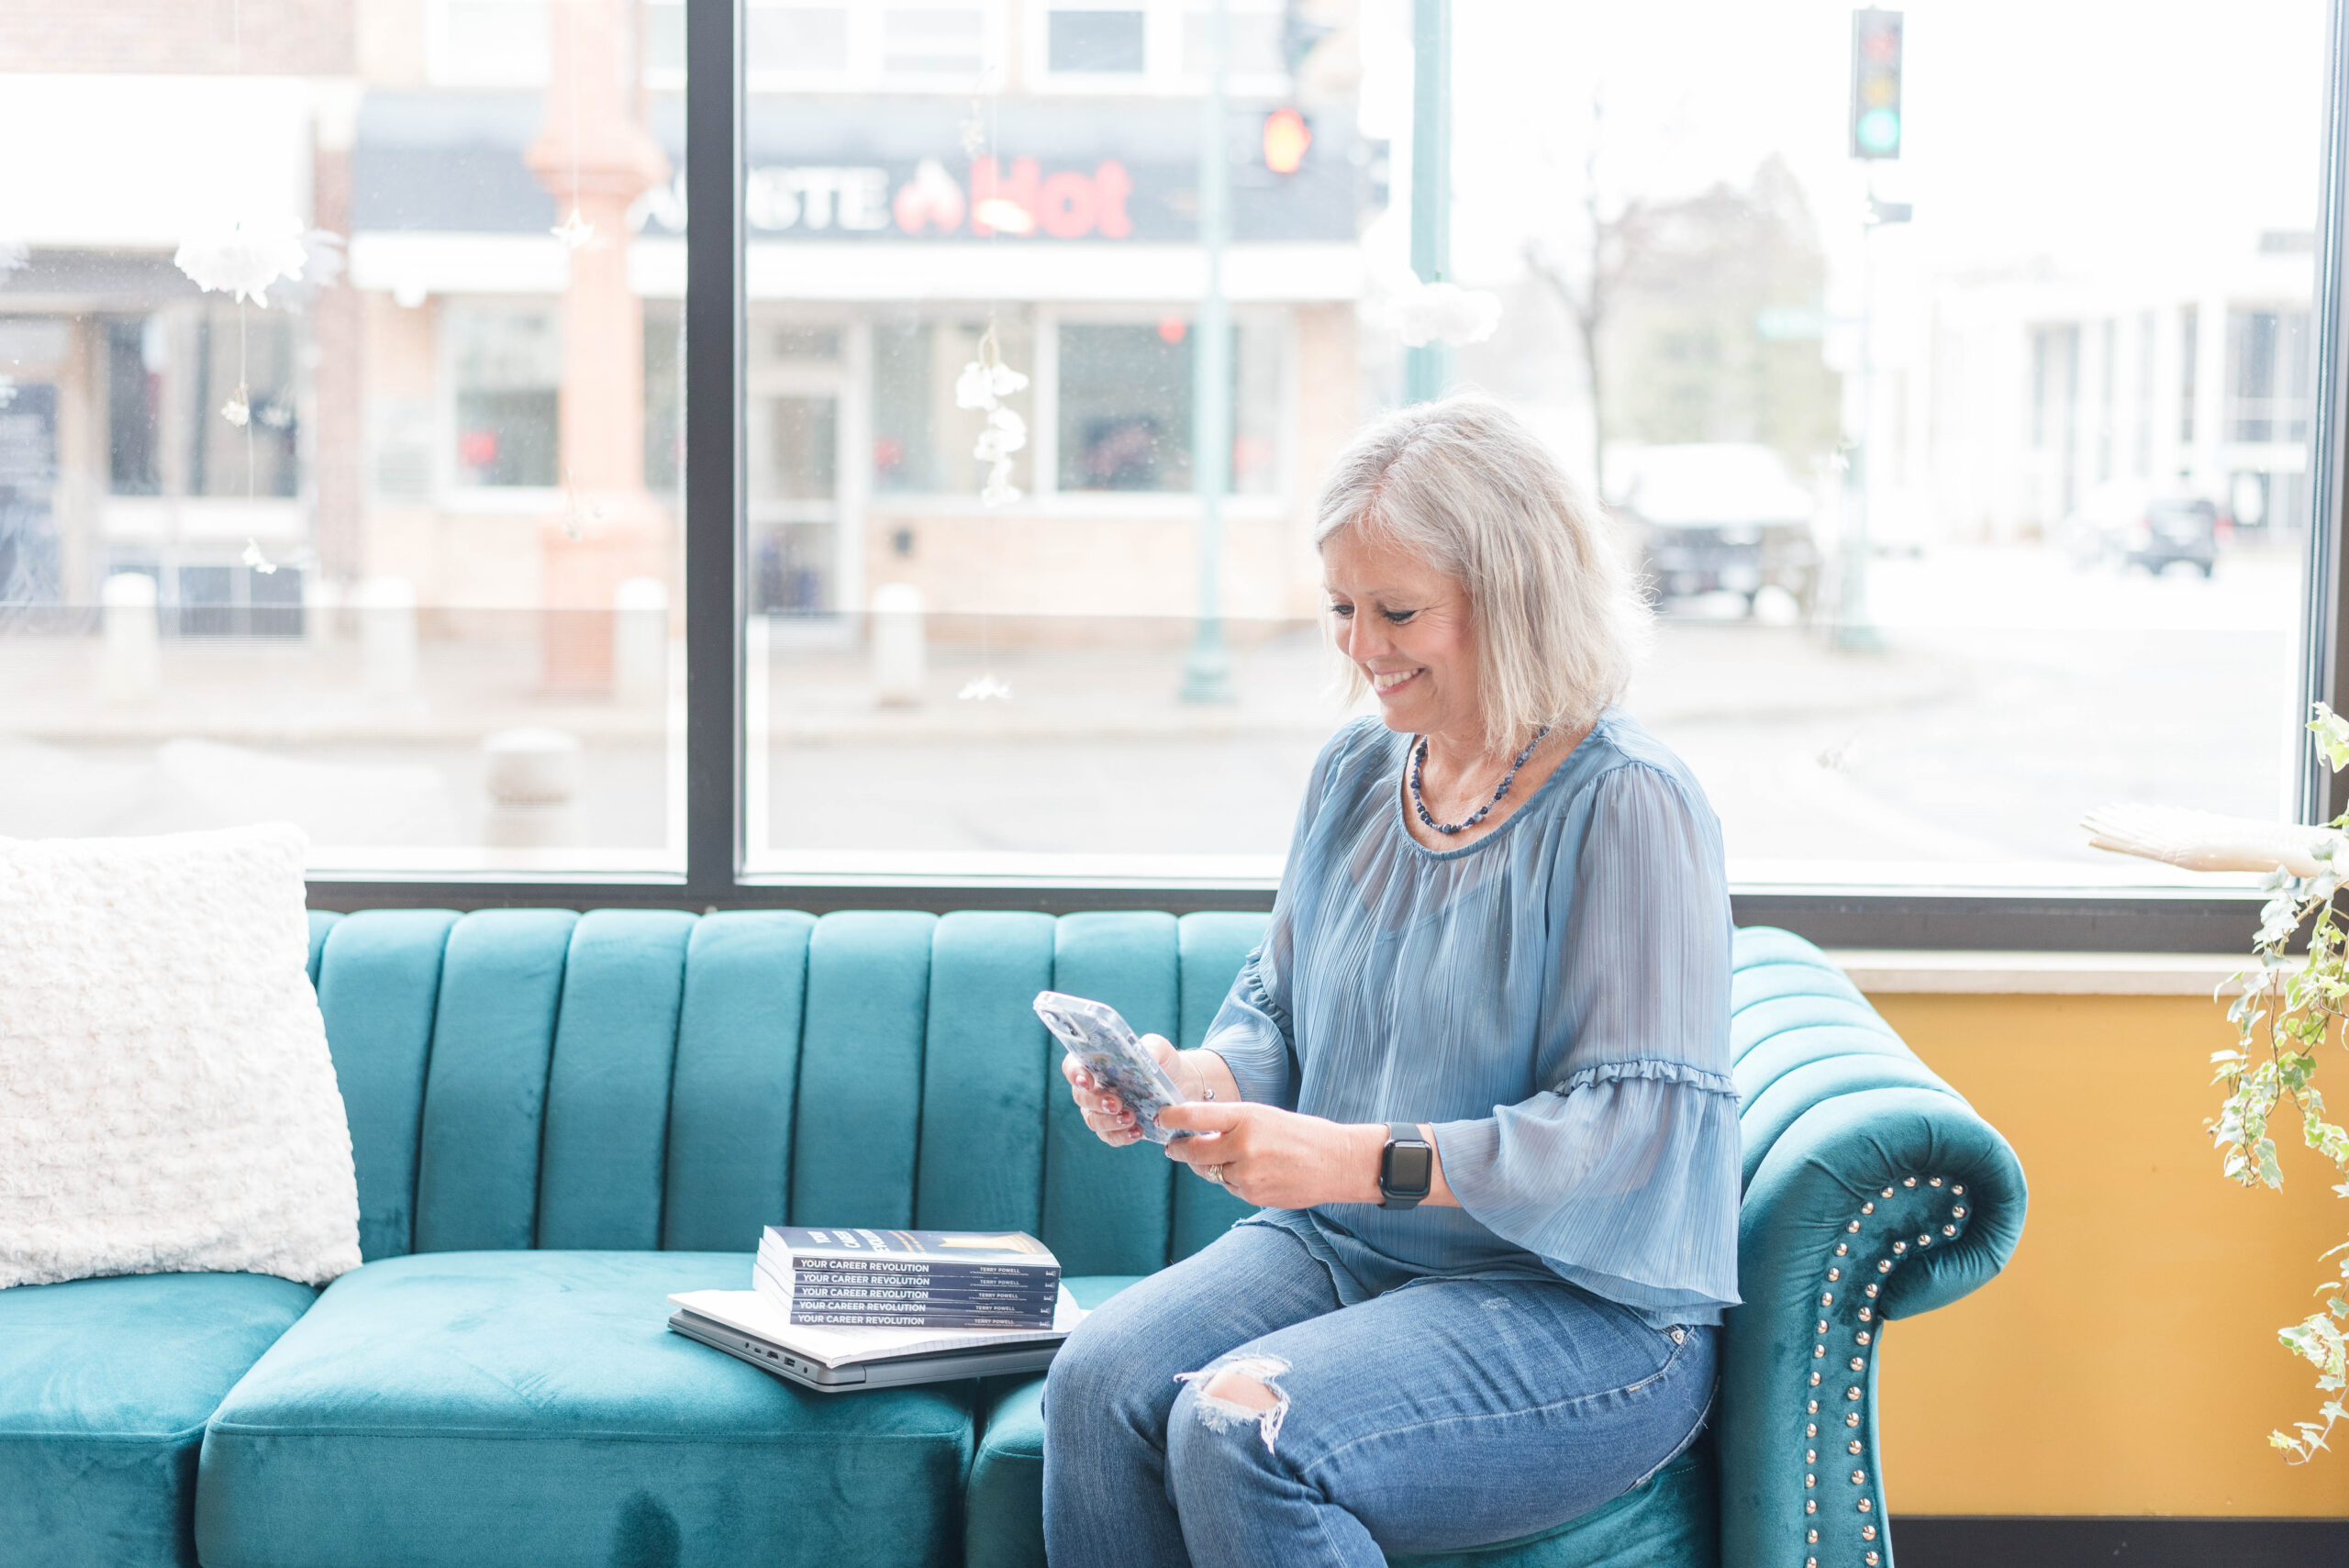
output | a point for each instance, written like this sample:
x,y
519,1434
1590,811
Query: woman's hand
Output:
x,y
1105,1112
1277,1159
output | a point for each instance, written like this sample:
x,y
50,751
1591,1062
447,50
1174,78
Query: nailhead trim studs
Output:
x,y
1862,1338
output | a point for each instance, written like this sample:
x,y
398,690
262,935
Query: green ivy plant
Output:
x,y
2283,1011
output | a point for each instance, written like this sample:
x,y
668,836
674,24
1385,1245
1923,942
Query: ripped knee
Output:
x,y
1242,1390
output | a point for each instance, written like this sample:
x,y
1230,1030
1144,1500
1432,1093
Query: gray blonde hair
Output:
x,y
1558,616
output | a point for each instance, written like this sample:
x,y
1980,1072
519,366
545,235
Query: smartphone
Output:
x,y
1106,1045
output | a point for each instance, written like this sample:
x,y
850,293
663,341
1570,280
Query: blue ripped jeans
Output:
x,y
1441,1414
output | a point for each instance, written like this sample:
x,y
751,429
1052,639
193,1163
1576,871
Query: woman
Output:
x,y
1495,982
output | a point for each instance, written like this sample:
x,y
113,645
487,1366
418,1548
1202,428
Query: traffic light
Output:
x,y
1286,137
1876,83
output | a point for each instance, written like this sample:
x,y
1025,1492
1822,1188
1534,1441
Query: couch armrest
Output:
x,y
1871,1206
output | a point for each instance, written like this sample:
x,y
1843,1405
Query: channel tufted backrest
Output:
x,y
1801,1034
641,1079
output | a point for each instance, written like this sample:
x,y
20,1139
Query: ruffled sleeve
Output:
x,y
1252,1030
1622,1175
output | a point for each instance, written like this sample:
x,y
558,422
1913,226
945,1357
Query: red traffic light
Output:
x,y
1287,136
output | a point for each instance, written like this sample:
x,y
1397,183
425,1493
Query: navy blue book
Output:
x,y
1028,1321
905,1305
909,1279
936,1257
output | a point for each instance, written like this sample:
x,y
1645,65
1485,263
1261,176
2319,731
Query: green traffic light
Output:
x,y
1878,131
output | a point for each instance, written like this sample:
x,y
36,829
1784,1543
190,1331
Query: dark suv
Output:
x,y
2173,528
1720,517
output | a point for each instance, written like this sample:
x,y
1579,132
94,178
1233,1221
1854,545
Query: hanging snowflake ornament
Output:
x,y
1446,313
576,232
243,257
256,560
980,688
984,383
580,515
237,411
1006,433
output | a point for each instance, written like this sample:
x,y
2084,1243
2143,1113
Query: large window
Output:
x,y
347,373
338,434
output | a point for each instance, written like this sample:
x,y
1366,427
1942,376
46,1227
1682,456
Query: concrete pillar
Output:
x,y
532,776
640,640
387,636
900,661
131,668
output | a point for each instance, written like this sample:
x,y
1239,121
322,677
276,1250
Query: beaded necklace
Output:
x,y
1419,758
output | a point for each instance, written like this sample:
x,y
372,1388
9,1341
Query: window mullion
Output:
x,y
714,477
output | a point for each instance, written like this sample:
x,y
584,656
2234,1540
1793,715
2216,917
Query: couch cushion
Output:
x,y
1004,1524
514,1408
104,1387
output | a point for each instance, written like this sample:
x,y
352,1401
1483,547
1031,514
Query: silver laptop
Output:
x,y
893,1371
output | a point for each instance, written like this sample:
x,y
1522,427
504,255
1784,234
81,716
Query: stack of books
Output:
x,y
909,1279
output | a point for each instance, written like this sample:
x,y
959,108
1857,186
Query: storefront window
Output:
x,y
795,38
199,402
923,441
135,361
2270,352
506,367
1126,406
933,40
1094,42
488,43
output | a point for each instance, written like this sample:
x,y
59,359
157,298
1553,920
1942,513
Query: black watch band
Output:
x,y
1406,1167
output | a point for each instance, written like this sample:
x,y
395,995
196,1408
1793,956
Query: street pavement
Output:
x,y
2013,691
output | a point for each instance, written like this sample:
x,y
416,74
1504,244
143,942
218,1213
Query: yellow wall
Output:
x,y
2126,1361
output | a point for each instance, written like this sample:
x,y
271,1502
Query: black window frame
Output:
x,y
717,570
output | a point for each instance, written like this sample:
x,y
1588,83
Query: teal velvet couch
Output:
x,y
558,1120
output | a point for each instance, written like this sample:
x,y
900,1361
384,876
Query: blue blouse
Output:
x,y
1553,997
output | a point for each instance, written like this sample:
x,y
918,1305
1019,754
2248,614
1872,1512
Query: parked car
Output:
x,y
1719,517
2133,524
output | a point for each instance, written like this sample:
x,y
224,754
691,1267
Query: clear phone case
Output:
x,y
1106,1045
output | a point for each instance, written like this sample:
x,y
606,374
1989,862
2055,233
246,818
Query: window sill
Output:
x,y
1893,972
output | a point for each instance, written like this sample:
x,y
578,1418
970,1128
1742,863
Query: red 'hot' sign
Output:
x,y
1066,205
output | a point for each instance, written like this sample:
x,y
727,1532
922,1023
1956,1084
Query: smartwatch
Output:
x,y
1406,1167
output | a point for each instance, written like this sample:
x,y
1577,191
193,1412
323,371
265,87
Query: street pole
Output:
x,y
1207,673
1855,631
1877,57
1427,369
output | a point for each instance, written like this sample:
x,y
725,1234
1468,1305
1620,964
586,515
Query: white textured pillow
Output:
x,y
167,1104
